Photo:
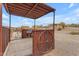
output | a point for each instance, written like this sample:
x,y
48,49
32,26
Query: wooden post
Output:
x,y
33,31
1,50
34,24
54,29
9,27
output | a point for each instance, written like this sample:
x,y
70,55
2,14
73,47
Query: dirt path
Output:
x,y
65,44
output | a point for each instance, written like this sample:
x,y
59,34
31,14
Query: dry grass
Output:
x,y
74,33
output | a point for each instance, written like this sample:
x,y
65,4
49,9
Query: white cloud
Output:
x,y
78,15
71,17
76,12
67,18
44,21
71,5
4,16
5,19
26,22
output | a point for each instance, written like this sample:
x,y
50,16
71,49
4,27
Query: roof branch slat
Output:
x,y
43,6
20,7
31,9
6,7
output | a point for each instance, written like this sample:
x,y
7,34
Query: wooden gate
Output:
x,y
26,33
43,41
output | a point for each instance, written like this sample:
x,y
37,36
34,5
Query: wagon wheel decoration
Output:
x,y
45,41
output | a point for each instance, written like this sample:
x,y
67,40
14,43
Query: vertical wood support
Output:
x,y
53,30
33,31
9,26
9,11
34,24
1,48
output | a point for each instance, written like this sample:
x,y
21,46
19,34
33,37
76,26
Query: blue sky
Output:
x,y
65,12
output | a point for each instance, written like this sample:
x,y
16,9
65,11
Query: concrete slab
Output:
x,y
21,47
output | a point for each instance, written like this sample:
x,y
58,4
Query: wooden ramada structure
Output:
x,y
43,40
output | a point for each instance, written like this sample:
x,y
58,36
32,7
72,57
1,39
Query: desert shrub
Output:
x,y
62,24
74,33
59,29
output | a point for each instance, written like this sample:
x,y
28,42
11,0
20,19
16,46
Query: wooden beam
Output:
x,y
20,6
46,7
18,10
34,16
41,9
6,7
37,8
29,4
31,9
34,11
37,12
43,14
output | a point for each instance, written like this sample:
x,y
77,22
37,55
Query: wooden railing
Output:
x,y
43,41
5,37
26,33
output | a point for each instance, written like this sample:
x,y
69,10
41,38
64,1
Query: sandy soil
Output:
x,y
65,44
